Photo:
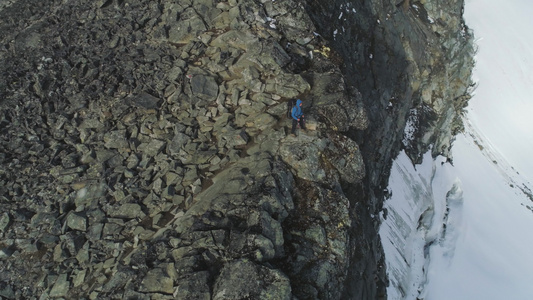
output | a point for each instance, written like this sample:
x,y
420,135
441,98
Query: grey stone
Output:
x,y
177,142
272,229
205,87
278,54
89,193
264,248
127,211
288,85
301,29
263,121
132,294
83,255
61,286
222,20
159,281
144,100
91,124
311,123
95,231
76,222
4,221
79,278
111,230
235,138
172,178
151,148
59,254
190,175
117,281
174,73
222,121
187,29
317,234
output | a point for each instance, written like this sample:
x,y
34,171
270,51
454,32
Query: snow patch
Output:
x,y
414,218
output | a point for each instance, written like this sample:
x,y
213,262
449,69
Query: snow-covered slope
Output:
x,y
412,220
463,231
492,242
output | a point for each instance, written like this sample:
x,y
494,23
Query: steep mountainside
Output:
x,y
412,63
145,146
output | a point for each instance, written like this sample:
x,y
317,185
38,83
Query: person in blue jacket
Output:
x,y
297,116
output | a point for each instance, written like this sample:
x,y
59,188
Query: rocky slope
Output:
x,y
145,150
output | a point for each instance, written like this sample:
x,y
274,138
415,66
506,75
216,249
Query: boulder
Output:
x,y
157,281
143,100
116,139
287,85
178,141
151,148
235,138
76,222
204,87
306,161
61,287
127,211
187,28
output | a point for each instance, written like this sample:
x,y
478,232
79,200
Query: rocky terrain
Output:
x,y
145,149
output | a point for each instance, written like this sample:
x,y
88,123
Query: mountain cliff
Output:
x,y
146,154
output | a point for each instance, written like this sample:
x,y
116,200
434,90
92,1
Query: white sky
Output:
x,y
502,108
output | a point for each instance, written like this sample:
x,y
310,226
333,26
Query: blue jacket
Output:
x,y
297,110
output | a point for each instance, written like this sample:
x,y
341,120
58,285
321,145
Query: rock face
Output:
x,y
145,150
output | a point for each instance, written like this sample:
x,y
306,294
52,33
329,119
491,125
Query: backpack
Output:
x,y
290,104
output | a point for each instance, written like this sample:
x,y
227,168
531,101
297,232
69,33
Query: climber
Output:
x,y
297,117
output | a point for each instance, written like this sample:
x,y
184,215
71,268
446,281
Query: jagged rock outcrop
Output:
x,y
145,151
